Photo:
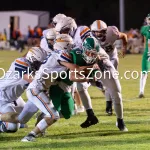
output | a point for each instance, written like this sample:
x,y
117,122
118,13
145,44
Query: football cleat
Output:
x,y
29,138
121,125
141,96
89,122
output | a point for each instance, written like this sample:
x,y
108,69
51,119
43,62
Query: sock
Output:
x,y
90,112
42,125
108,105
33,133
143,83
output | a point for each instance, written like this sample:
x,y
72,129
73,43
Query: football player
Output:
x,y
107,35
14,83
145,31
47,41
79,34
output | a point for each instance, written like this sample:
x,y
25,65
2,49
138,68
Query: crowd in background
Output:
x,y
18,41
33,37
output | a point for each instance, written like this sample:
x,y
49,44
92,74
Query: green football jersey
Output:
x,y
77,57
145,31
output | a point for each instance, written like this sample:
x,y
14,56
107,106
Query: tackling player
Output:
x,y
107,35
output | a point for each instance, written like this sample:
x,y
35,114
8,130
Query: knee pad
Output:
x,y
55,115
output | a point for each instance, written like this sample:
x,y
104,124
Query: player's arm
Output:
x,y
124,39
27,78
77,73
74,67
23,69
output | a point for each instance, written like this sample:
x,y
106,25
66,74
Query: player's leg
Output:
x,y
18,106
115,61
143,75
86,100
114,88
78,102
7,126
67,105
42,102
63,102
20,103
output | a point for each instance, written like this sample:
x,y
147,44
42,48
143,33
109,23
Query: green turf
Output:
x,y
67,134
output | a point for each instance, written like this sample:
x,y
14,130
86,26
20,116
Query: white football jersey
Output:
x,y
81,33
112,34
49,70
13,85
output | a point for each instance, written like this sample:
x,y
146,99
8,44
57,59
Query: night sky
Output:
x,y
86,11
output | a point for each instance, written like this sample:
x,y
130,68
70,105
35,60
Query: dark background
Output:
x,y
86,11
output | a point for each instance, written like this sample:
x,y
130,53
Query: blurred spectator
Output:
x,y
30,37
37,36
18,40
3,42
135,41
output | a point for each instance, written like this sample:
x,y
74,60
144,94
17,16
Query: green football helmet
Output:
x,y
91,49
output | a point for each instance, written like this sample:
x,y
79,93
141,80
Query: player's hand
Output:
x,y
95,66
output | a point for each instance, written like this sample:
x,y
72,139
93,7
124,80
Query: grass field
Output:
x,y
68,135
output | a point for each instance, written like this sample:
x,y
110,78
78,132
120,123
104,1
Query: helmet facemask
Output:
x,y
50,43
35,65
90,50
100,35
65,31
90,56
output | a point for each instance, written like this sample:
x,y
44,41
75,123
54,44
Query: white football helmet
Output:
x,y
57,18
63,42
51,34
35,54
68,24
98,25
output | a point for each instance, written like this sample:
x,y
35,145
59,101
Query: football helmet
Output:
x,y
91,50
35,56
50,37
57,18
98,29
63,42
66,26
